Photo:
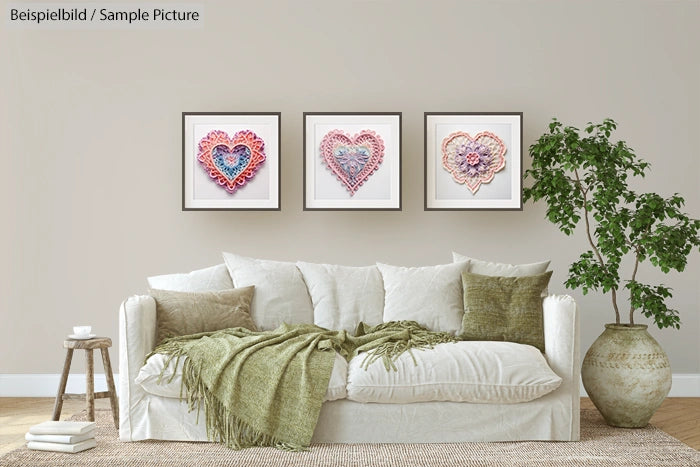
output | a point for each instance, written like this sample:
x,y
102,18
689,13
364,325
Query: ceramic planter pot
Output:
x,y
627,375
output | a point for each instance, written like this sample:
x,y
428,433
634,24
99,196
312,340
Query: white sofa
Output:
x,y
554,416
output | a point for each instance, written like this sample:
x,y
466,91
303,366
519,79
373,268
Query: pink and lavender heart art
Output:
x,y
231,161
352,159
473,160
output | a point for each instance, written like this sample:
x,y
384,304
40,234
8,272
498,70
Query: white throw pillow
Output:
x,y
431,295
343,295
209,279
468,371
150,379
280,292
488,268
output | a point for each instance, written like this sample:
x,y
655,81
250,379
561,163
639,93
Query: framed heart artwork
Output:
x,y
230,161
473,161
352,161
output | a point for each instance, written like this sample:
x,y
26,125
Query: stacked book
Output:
x,y
63,436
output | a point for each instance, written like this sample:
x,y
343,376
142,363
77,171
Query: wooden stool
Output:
x,y
88,345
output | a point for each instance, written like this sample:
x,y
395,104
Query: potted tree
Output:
x,y
583,176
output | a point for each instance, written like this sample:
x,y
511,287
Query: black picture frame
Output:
x,y
449,186
331,189
199,183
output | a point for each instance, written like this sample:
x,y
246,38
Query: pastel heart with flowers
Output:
x,y
352,159
231,161
473,160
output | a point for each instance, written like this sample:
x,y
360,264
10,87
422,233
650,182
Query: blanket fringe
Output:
x,y
419,338
223,426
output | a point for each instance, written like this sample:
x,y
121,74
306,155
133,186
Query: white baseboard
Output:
x,y
682,385
46,385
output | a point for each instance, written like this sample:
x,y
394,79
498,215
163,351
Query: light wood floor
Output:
x,y
17,414
679,417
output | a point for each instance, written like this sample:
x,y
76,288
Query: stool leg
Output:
x,y
58,405
90,383
110,386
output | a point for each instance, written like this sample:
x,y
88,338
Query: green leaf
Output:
x,y
584,176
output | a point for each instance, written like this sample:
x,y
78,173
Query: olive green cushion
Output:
x,y
504,308
183,313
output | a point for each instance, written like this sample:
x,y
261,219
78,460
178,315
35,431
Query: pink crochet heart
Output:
x,y
353,159
231,161
473,160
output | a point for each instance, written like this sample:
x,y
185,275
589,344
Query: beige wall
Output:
x,y
91,151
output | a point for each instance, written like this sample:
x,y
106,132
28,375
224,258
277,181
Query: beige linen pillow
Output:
x,y
504,308
182,313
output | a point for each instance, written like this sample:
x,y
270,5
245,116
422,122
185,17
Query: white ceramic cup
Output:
x,y
82,331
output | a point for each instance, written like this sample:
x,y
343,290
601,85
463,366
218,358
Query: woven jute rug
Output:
x,y
600,445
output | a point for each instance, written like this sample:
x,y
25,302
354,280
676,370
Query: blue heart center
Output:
x,y
352,159
231,162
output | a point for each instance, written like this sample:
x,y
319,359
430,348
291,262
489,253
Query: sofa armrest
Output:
x,y
561,336
137,335
562,348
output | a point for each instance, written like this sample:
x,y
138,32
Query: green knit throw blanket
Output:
x,y
266,388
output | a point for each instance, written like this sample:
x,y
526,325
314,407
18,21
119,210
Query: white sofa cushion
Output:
x,y
280,292
431,295
476,371
489,268
150,379
150,375
343,296
209,279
